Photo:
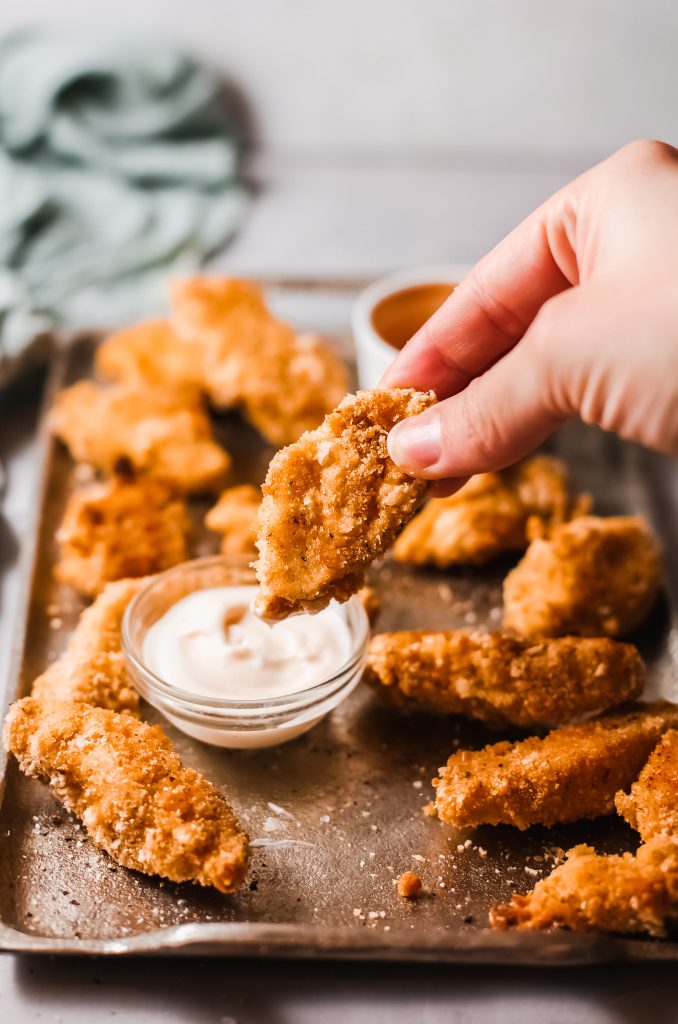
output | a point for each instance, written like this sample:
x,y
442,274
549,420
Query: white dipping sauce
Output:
x,y
210,644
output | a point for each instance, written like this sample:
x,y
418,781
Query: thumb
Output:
x,y
503,414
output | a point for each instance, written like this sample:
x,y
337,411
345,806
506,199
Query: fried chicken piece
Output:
x,y
503,680
234,517
574,772
92,668
150,354
627,894
122,778
160,433
592,577
333,502
651,807
122,527
490,515
284,382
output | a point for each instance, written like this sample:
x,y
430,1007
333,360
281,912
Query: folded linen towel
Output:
x,y
117,166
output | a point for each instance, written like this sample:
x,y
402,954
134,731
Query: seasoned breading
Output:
x,y
490,515
627,893
333,502
574,772
119,528
92,668
592,577
504,680
651,807
159,432
136,800
234,517
150,354
284,382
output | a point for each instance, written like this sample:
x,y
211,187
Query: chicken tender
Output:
x,y
333,502
652,805
151,355
92,668
160,433
574,772
490,515
504,680
628,894
234,517
285,383
136,800
592,577
121,528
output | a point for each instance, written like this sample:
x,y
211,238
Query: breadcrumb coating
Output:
x,y
592,577
284,382
122,778
490,515
409,885
92,668
234,517
149,354
120,528
573,772
504,680
333,502
161,433
651,806
628,893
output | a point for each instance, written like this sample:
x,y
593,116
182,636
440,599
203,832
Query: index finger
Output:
x,y
490,310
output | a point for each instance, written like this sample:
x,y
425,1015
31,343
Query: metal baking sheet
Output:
x,y
336,815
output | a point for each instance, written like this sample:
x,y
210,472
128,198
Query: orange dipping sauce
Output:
x,y
398,316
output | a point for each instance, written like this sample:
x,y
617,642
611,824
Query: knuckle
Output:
x,y
650,152
482,431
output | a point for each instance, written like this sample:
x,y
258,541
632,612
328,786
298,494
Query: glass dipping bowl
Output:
x,y
233,723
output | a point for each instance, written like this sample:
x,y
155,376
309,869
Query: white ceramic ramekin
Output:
x,y
375,355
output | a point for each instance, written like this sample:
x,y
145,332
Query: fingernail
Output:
x,y
416,443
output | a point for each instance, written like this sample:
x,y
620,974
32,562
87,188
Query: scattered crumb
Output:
x,y
409,885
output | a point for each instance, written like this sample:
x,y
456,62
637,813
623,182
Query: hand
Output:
x,y
574,313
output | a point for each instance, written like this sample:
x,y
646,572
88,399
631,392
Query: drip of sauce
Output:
x,y
210,644
398,316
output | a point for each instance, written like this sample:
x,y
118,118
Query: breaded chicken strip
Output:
x,y
574,772
135,798
631,893
333,502
92,668
161,433
150,354
490,515
284,382
120,528
627,893
503,680
651,807
234,517
592,577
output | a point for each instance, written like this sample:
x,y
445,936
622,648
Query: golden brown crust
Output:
x,y
574,772
163,434
409,885
122,778
284,382
490,515
333,502
592,577
628,893
149,354
92,668
504,680
120,528
234,517
651,807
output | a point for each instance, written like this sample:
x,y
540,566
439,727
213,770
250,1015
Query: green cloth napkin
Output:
x,y
117,168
